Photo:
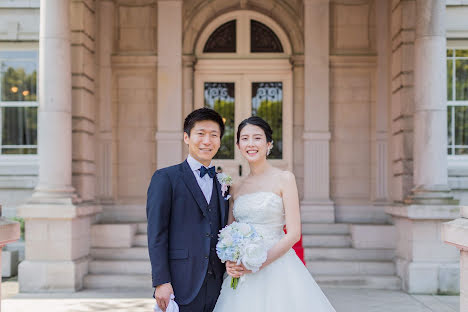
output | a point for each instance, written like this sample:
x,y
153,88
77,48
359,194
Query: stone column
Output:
x,y
57,226
456,234
169,135
424,263
381,116
430,113
316,206
188,62
106,133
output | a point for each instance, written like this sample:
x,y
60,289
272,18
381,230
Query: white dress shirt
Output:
x,y
205,183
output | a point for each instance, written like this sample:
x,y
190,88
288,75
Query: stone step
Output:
x,y
132,253
140,240
116,267
373,236
324,228
352,254
142,228
326,241
118,281
359,281
351,267
113,235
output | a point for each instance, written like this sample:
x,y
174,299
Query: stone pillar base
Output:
x,y
464,280
434,195
428,278
52,276
456,233
424,263
57,244
317,212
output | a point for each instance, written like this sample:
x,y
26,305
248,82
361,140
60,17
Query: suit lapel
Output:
x,y
222,202
192,185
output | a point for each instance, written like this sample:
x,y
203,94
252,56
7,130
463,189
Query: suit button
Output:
x,y
208,235
209,210
206,257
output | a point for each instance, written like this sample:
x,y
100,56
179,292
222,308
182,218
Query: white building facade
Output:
x,y
368,100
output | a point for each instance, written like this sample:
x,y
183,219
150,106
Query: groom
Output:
x,y
185,211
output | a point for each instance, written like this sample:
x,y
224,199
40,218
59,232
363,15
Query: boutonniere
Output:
x,y
226,181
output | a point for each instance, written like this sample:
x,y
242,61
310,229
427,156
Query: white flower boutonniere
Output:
x,y
226,181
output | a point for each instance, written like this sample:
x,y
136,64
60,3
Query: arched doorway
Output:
x,y
243,68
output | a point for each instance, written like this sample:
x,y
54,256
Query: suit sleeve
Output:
x,y
158,211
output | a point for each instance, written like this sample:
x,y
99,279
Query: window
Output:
x,y
222,40
457,95
18,102
242,35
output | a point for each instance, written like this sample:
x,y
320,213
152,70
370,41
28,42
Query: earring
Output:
x,y
270,148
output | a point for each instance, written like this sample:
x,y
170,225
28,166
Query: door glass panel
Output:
x,y
220,97
267,103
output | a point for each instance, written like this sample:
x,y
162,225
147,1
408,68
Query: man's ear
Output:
x,y
186,138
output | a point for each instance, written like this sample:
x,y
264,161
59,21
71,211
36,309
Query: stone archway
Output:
x,y
198,16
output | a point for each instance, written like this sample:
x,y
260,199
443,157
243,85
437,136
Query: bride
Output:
x,y
268,199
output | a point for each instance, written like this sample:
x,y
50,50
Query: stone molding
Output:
x,y
134,61
424,212
61,211
353,61
316,136
247,66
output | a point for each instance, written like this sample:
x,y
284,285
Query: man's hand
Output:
x,y
162,293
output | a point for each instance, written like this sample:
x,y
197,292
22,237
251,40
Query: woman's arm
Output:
x,y
293,221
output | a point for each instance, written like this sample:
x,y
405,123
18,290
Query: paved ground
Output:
x,y
344,300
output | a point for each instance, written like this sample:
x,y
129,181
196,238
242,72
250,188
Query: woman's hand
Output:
x,y
234,270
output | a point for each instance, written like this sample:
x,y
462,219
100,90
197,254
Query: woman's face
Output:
x,y
252,143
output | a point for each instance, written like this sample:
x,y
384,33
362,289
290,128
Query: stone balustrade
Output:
x,y
456,233
9,232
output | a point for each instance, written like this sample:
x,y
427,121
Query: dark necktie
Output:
x,y
211,171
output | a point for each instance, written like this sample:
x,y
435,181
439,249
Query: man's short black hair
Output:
x,y
202,114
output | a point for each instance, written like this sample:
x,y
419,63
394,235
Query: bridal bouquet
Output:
x,y
240,243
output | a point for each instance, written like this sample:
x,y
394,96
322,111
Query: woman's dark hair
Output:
x,y
202,114
259,122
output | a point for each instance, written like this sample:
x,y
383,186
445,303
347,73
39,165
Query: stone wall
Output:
x,y
128,123
352,100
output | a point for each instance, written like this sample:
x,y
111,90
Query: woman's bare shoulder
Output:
x,y
236,186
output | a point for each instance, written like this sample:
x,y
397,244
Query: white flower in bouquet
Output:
x,y
253,256
240,243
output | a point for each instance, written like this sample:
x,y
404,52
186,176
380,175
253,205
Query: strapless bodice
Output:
x,y
264,211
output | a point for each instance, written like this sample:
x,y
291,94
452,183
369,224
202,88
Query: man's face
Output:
x,y
204,141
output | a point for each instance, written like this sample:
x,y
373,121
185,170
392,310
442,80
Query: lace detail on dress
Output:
x,y
264,211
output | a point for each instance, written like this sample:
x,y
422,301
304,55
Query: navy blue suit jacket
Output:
x,y
179,229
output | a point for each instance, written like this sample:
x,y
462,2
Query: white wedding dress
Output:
x,y
284,285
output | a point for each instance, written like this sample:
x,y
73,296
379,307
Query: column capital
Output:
x,y
297,60
188,60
